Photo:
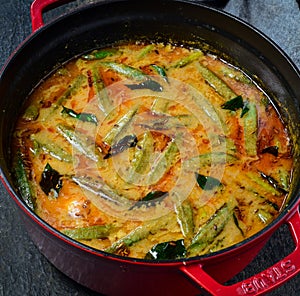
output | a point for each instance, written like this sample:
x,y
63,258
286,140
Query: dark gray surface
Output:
x,y
23,270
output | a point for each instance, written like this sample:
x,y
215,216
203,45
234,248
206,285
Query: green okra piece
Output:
x,y
132,73
163,163
231,72
184,215
87,233
73,88
99,188
100,54
210,230
160,71
273,183
215,82
119,126
160,105
264,216
207,159
105,103
78,142
127,71
140,233
284,179
141,159
187,60
51,149
31,113
250,123
145,51
262,184
22,181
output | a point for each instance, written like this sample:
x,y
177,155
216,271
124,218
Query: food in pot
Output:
x,y
154,151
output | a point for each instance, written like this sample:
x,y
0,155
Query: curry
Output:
x,y
152,151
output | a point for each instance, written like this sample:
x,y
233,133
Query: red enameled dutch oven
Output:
x,y
101,24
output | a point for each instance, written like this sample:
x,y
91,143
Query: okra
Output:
x,y
99,188
100,54
284,179
145,51
73,88
163,163
184,214
273,183
187,60
22,181
127,71
250,130
52,149
141,232
160,71
86,117
78,142
208,159
159,105
119,126
259,181
87,233
215,82
264,216
141,159
31,113
105,103
210,230
229,71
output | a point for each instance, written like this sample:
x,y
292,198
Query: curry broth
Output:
x,y
152,151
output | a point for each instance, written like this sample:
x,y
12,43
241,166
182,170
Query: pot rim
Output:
x,y
289,209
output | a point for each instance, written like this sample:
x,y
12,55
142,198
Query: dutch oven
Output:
x,y
102,24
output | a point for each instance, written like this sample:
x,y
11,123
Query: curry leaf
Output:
x,y
87,117
147,84
125,143
233,104
51,181
167,250
207,182
271,150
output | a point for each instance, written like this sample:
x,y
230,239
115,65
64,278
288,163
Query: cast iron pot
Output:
x,y
102,24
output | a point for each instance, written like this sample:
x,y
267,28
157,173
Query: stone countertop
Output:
x,y
23,270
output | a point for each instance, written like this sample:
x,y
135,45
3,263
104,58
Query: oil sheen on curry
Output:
x,y
152,151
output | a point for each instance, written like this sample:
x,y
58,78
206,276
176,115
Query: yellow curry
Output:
x,y
153,151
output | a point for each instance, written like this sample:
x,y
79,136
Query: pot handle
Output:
x,y
260,283
38,7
